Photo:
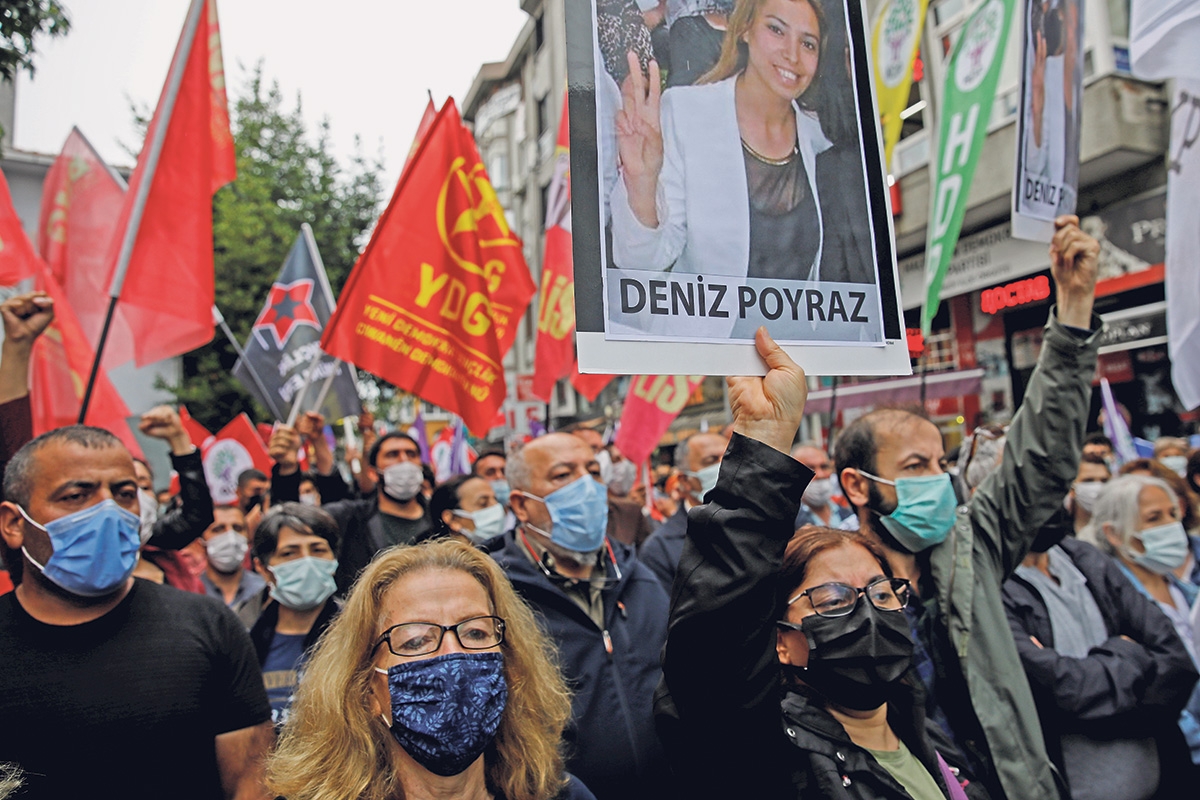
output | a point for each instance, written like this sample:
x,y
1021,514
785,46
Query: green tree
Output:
x,y
286,176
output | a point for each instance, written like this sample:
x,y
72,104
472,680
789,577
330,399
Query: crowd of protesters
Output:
x,y
763,618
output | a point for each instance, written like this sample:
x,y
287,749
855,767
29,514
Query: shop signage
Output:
x,y
1017,293
1134,327
980,260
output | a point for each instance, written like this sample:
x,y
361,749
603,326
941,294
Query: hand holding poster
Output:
x,y
1051,111
752,196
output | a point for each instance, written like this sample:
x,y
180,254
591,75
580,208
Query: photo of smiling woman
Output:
x,y
756,171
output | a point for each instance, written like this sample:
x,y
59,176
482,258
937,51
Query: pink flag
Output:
x,y
653,402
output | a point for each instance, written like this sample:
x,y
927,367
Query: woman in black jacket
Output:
x,y
785,663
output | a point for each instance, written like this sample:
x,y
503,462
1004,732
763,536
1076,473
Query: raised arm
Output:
x,y
1041,453
719,666
178,528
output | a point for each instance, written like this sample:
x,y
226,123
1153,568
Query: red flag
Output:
x,y
173,253
199,434
433,303
62,357
17,259
589,385
653,402
422,129
235,448
81,204
62,360
555,352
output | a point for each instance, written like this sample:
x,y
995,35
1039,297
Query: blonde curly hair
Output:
x,y
334,747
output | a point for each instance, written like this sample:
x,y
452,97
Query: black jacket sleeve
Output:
x,y
1151,673
720,669
331,486
286,488
179,527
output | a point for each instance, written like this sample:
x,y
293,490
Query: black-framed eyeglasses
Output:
x,y
422,638
840,599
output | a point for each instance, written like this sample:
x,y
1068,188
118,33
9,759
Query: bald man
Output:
x,y
604,610
698,459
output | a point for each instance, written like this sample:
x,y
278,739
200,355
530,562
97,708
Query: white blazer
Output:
x,y
703,200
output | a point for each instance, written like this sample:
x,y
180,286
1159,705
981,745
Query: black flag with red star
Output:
x,y
286,338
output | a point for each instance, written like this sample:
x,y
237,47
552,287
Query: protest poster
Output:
x,y
285,340
1051,112
970,90
693,226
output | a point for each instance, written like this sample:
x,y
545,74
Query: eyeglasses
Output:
x,y
840,599
422,638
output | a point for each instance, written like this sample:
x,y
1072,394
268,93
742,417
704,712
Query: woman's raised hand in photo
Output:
x,y
639,138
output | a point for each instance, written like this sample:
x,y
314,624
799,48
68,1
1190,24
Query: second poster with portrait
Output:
x,y
727,174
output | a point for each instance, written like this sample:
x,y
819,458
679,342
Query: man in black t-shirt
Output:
x,y
114,686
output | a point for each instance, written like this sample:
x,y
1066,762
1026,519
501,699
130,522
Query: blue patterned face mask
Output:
x,y
446,710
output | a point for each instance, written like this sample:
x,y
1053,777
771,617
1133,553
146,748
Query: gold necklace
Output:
x,y
773,162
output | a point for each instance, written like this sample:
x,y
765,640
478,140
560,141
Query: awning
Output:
x,y
897,391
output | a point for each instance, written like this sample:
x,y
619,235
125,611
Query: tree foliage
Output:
x,y
286,176
22,23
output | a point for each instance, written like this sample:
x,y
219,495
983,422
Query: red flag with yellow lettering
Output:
x,y
168,293
653,402
433,303
555,353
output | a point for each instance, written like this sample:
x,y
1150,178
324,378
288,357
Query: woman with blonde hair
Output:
x,y
433,681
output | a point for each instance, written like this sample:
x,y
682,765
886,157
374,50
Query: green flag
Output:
x,y
970,91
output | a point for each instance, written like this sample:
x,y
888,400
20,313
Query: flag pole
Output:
x,y
321,395
269,401
308,376
174,80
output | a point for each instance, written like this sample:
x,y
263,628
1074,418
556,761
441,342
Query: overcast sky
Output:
x,y
365,64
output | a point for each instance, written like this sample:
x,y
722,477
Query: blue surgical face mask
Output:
x,y
95,550
579,513
305,583
502,491
707,477
489,523
925,509
1166,548
446,710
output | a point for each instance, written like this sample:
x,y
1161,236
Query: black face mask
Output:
x,y
853,660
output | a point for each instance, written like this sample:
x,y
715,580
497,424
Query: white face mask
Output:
x,y
1177,464
818,492
1086,494
489,523
402,481
148,505
226,551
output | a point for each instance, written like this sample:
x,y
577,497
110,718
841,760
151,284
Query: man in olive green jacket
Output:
x,y
890,463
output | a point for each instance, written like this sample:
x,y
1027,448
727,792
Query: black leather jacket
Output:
x,y
729,726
